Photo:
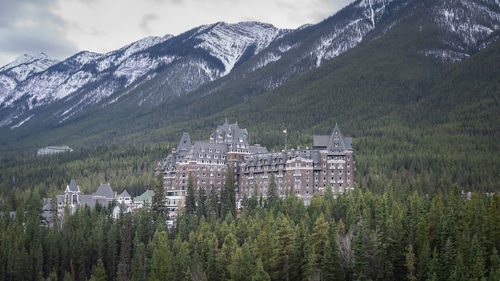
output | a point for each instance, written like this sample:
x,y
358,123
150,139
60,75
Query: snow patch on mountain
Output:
x,y
349,34
137,66
22,122
471,22
443,55
228,42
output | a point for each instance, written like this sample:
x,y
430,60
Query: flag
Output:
x,y
284,131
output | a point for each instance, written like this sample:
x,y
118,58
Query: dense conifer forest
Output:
x,y
392,234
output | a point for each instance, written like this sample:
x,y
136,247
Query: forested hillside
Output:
x,y
390,235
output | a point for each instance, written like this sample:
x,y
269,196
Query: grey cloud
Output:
x,y
146,20
29,26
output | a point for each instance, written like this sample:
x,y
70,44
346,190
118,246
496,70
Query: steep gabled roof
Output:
x,y
336,142
73,186
104,190
124,194
184,143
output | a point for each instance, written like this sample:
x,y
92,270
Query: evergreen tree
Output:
x,y
190,197
477,261
410,263
330,265
158,200
260,274
272,192
228,196
161,263
360,252
459,272
283,253
265,246
213,203
299,254
318,239
225,257
98,272
139,261
202,203
494,273
243,267
253,201
433,272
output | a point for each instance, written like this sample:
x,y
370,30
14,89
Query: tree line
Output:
x,y
360,235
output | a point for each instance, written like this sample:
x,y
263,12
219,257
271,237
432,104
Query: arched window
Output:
x,y
75,198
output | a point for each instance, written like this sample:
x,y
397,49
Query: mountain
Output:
x,y
380,51
183,62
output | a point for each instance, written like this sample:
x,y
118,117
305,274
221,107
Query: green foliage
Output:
x,y
98,272
228,197
258,245
190,197
159,200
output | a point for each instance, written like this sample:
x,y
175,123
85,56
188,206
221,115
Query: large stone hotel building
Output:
x,y
304,171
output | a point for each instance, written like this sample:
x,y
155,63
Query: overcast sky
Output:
x,y
61,28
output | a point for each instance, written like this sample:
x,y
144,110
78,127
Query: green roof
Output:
x,y
145,197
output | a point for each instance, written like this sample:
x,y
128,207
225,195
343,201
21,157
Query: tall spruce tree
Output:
x,y
299,254
190,197
158,200
318,239
330,265
98,272
260,274
201,208
161,263
283,253
272,192
213,203
228,196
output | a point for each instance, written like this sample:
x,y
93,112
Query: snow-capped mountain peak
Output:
x,y
229,42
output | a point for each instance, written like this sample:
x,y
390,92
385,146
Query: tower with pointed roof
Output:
x,y
72,194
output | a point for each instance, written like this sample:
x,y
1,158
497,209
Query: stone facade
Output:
x,y
304,171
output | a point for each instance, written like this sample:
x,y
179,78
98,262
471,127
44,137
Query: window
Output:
x,y
75,199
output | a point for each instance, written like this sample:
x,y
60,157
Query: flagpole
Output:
x,y
286,132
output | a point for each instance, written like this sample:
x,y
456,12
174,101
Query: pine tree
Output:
x,y
225,257
265,246
202,201
283,253
433,272
158,200
228,196
330,265
244,265
423,250
318,239
260,274
299,255
477,261
410,263
190,197
272,192
253,201
161,263
459,272
98,272
494,266
360,252
213,203
139,261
